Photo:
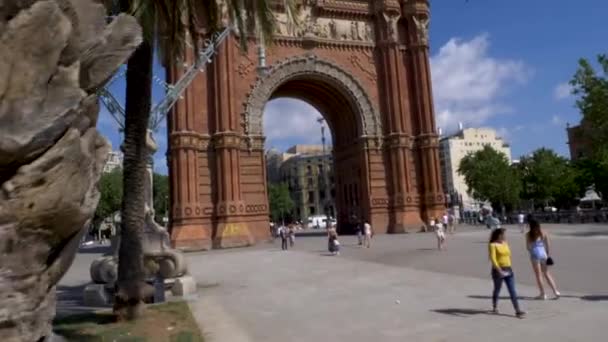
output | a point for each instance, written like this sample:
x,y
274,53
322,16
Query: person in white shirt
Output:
x,y
520,222
367,231
445,220
440,233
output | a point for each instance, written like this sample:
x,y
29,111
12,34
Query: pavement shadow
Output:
x,y
426,249
464,312
584,233
501,297
595,298
94,250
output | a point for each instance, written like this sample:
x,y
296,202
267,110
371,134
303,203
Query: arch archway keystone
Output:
x,y
368,117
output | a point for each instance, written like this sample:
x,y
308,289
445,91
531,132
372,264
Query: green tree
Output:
x,y
591,88
548,179
110,188
489,177
280,201
160,190
165,24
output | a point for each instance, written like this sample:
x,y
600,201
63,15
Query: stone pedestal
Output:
x,y
184,286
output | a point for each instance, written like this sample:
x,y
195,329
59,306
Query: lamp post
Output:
x,y
321,122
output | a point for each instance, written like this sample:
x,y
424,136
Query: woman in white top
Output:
x,y
440,233
367,231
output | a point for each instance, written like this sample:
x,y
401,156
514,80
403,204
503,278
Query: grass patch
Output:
x,y
167,322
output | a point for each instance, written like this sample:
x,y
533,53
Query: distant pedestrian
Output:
x,y
445,219
537,243
440,234
520,222
367,231
283,235
292,235
333,244
500,257
359,231
451,223
431,225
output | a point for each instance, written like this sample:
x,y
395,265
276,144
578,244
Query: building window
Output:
x,y
310,182
333,193
311,210
322,194
311,197
320,168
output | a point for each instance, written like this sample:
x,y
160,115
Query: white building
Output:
x,y
453,148
114,161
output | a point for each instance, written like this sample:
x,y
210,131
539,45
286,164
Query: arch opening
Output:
x,y
330,184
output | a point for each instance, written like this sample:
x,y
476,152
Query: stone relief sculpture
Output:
x,y
391,24
422,29
54,55
326,28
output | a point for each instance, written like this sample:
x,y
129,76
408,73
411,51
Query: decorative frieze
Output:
x,y
189,140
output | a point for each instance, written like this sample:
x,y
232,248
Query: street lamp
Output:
x,y
321,122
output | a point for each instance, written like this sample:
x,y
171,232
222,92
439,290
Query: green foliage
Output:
x,y
110,187
591,88
160,190
489,177
592,171
281,203
548,179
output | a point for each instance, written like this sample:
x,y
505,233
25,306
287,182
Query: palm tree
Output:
x,y
165,24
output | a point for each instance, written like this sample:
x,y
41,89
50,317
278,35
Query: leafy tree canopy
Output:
x,y
548,178
110,187
160,190
281,203
489,177
591,88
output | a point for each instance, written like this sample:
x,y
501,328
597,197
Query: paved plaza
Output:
x,y
401,289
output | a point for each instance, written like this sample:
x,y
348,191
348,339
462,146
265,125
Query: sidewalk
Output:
x,y
267,295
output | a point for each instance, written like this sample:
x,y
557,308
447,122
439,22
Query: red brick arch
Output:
x,y
365,68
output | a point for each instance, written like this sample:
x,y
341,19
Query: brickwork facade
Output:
x,y
365,66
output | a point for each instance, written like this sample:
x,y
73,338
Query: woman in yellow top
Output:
x,y
500,256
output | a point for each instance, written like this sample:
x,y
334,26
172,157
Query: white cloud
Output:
x,y
289,121
562,91
468,83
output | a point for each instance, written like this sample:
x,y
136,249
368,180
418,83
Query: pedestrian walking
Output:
x,y
445,219
359,231
333,244
367,230
451,223
292,235
502,271
537,243
440,234
283,235
520,222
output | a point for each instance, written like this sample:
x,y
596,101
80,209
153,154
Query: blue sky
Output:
x,y
501,64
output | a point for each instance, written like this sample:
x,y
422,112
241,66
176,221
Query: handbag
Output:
x,y
550,261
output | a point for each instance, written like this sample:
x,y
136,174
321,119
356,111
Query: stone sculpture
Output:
x,y
159,257
422,29
54,54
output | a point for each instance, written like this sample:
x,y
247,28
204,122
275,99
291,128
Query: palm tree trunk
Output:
x,y
131,275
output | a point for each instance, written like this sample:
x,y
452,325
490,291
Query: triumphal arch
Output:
x,y
365,66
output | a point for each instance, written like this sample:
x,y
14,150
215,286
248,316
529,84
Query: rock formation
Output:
x,y
54,54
